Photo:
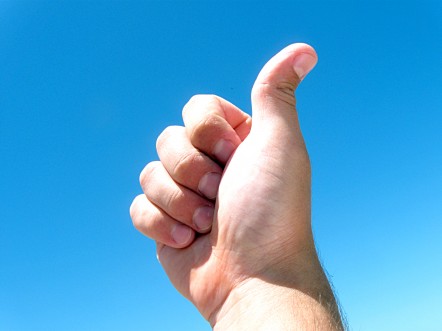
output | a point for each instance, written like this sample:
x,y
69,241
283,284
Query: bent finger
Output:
x,y
215,126
187,165
157,225
177,201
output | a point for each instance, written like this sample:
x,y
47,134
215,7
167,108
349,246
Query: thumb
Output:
x,y
273,99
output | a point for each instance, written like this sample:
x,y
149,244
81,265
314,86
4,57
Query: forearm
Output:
x,y
259,305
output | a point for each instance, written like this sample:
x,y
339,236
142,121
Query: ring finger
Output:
x,y
177,201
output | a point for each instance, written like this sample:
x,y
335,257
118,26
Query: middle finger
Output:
x,y
187,165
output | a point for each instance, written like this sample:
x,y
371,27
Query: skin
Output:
x,y
228,205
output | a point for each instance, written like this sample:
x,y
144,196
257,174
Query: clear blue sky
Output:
x,y
85,88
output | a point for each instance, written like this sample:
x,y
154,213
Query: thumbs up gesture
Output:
x,y
228,205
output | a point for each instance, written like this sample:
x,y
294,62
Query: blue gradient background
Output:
x,y
86,87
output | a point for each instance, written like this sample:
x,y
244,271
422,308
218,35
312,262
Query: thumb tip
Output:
x,y
304,62
290,65
303,57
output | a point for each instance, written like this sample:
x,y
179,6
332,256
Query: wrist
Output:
x,y
261,303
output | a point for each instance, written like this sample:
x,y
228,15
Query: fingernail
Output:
x,y
223,150
303,64
181,234
209,184
203,217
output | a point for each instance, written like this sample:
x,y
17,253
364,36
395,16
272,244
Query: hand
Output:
x,y
250,251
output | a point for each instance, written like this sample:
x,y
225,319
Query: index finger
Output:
x,y
215,126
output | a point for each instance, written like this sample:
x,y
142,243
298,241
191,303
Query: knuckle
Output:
x,y
184,163
201,100
190,104
211,123
210,99
165,134
148,172
173,199
135,213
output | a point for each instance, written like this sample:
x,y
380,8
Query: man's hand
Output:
x,y
229,207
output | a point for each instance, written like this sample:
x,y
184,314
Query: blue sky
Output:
x,y
86,87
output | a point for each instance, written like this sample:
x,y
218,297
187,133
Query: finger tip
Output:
x,y
182,235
